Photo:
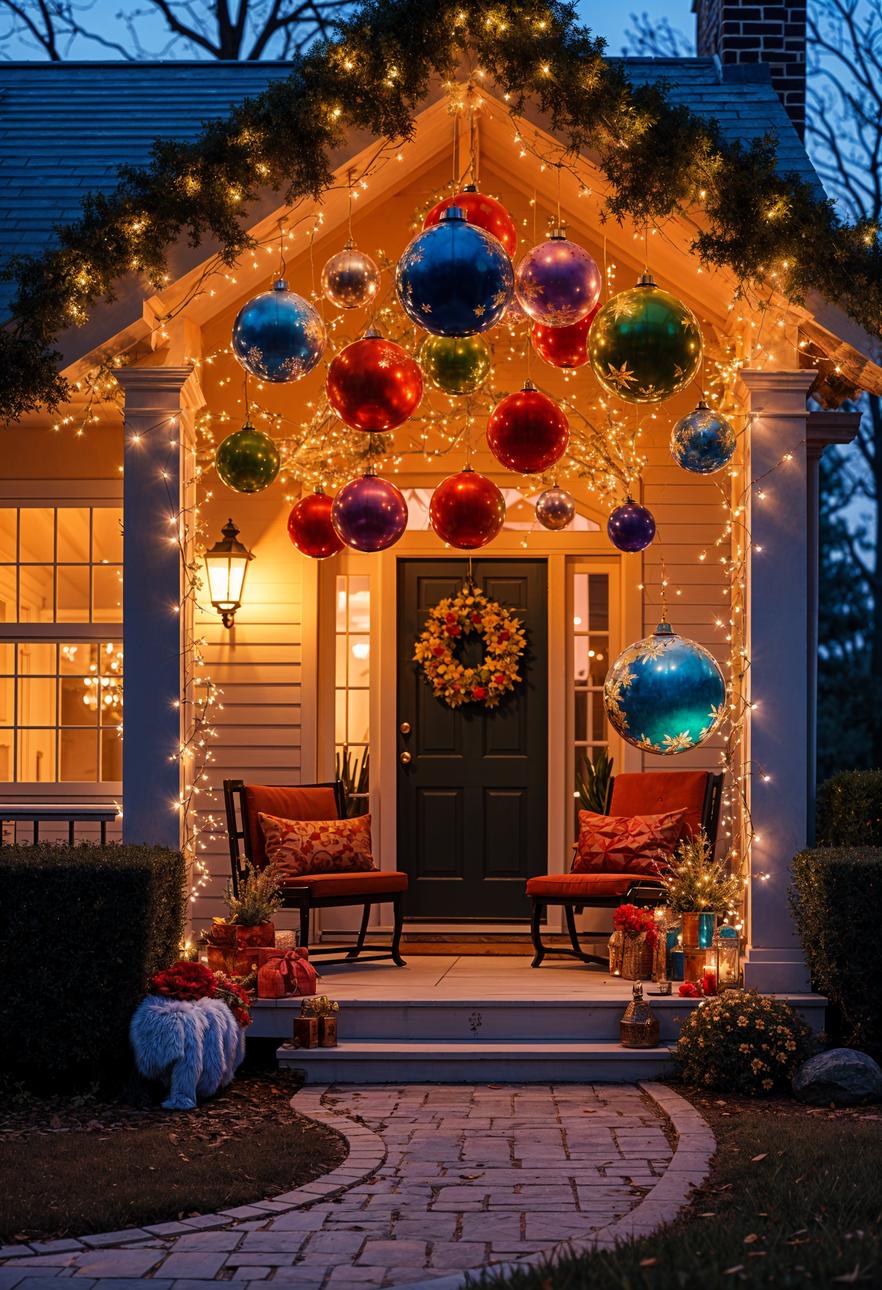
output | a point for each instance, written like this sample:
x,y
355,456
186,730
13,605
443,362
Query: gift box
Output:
x,y
306,1031
630,957
284,973
324,1011
327,1032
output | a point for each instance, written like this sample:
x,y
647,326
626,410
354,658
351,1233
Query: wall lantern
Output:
x,y
226,564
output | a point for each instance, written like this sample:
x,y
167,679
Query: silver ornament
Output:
x,y
555,509
350,278
702,442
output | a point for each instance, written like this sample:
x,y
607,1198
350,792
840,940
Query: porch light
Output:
x,y
226,564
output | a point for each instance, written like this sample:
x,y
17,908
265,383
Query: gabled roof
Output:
x,y
65,128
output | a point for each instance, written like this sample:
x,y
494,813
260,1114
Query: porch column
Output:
x,y
152,624
779,739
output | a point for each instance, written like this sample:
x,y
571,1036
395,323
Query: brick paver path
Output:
x,y
471,1175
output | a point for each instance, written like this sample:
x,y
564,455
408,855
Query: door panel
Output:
x,y
472,801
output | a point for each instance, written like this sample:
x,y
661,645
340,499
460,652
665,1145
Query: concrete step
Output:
x,y
477,1061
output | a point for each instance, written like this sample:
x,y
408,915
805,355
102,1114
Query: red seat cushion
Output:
x,y
585,886
655,792
350,884
291,803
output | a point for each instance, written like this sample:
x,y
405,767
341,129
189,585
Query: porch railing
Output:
x,y
71,814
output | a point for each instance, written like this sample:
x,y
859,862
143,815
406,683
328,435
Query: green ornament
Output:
x,y
247,460
455,364
644,345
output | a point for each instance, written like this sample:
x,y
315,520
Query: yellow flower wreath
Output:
x,y
504,643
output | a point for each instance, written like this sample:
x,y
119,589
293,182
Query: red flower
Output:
x,y
476,619
234,996
454,631
503,635
689,990
479,692
634,921
438,650
450,618
499,679
184,981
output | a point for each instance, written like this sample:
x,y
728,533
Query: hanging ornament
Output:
x,y
350,278
247,460
278,336
558,282
665,694
455,364
528,432
310,527
467,510
555,509
563,346
703,441
454,279
482,211
369,514
631,527
373,384
644,345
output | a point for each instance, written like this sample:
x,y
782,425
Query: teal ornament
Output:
x,y
702,442
665,694
455,279
247,460
278,336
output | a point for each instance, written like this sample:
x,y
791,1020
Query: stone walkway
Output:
x,y
439,1179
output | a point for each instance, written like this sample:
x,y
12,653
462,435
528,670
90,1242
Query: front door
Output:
x,y
473,794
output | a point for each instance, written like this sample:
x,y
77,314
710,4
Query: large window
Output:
x,y
591,635
60,644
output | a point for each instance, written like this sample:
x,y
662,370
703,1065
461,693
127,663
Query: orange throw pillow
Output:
x,y
298,847
626,843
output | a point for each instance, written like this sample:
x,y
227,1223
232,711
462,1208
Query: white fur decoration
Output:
x,y
192,1046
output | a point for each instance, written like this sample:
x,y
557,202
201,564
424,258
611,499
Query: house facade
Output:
x,y
107,506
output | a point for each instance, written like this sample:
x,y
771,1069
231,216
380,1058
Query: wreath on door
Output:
x,y
451,621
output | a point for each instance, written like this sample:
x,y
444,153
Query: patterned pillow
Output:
x,y
299,847
626,843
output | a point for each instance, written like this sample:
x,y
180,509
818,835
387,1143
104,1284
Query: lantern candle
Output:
x,y
677,961
709,980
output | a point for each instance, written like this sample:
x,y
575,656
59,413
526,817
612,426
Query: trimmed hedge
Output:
x,y
836,901
82,929
849,810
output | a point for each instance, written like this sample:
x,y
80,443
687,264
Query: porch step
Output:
x,y
385,1061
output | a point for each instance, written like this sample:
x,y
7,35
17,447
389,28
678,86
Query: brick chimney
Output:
x,y
748,32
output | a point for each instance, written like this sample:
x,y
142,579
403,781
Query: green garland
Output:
x,y
373,76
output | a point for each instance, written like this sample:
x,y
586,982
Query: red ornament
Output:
x,y
527,431
310,527
467,510
564,346
483,211
373,384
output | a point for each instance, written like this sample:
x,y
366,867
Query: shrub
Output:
x,y
82,930
849,810
836,901
741,1042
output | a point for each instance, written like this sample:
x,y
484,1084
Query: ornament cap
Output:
x,y
469,188
558,233
646,279
350,244
664,628
453,213
280,284
701,406
372,333
528,386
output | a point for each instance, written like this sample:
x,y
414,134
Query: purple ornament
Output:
x,y
369,514
555,509
558,283
631,527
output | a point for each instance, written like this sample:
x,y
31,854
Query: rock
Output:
x,y
842,1076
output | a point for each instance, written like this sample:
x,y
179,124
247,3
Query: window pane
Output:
x,y
598,601
6,754
8,593
73,593
359,660
37,534
598,717
107,538
73,535
340,717
359,604
340,661
111,754
36,756
36,658
598,659
581,716
7,701
580,601
340,603
79,755
359,716
8,518
77,659
7,658
36,593
79,697
106,594
36,701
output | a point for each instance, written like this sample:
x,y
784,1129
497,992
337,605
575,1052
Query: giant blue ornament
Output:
x,y
455,279
631,527
665,694
703,441
369,514
278,336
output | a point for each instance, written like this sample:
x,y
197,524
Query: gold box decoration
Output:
x,y
323,1011
638,1027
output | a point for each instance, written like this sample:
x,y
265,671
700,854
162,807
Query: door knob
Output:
x,y
405,727
405,758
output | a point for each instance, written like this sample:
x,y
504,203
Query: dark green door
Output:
x,y
472,800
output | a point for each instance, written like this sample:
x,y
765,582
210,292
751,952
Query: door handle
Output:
x,y
405,758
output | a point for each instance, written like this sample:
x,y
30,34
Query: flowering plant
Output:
x,y
452,620
184,980
234,996
634,921
741,1042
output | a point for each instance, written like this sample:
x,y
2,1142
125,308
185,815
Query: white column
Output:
x,y
152,626
779,740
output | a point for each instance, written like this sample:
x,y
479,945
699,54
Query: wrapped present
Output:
x,y
284,973
325,1011
306,1031
631,957
233,948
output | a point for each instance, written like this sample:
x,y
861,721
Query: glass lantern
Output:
x,y
726,958
225,566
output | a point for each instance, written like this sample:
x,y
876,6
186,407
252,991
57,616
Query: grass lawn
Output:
x,y
70,1166
795,1199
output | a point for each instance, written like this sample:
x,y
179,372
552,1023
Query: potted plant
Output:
x,y
632,944
698,890
593,781
232,941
